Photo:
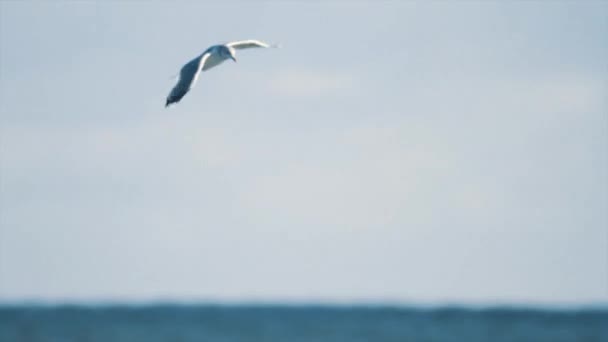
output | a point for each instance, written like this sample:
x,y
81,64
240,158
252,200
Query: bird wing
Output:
x,y
246,44
199,67
188,76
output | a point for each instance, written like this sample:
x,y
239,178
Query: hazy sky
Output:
x,y
415,152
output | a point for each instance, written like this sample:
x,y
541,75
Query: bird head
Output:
x,y
232,54
228,52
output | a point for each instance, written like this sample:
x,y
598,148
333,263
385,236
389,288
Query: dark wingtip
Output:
x,y
172,99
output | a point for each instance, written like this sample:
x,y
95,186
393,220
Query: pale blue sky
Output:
x,y
412,153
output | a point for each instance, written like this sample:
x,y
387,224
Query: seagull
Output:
x,y
213,56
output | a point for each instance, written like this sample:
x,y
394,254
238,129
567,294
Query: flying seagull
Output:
x,y
213,56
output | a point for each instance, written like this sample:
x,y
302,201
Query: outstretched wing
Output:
x,y
187,78
246,44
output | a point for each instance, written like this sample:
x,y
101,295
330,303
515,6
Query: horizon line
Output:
x,y
308,303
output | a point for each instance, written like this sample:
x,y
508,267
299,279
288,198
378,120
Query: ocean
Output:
x,y
235,323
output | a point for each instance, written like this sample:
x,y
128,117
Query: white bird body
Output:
x,y
212,57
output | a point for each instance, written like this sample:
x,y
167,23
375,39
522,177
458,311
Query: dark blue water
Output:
x,y
292,323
